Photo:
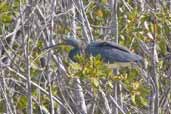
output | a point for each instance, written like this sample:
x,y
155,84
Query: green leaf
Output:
x,y
2,107
144,101
132,75
22,102
110,84
3,7
162,45
103,1
133,99
95,82
6,18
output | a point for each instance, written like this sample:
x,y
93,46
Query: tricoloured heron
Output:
x,y
111,53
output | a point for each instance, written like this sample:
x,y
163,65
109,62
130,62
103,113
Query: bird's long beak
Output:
x,y
61,43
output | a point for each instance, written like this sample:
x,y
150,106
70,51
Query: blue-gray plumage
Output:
x,y
73,53
111,53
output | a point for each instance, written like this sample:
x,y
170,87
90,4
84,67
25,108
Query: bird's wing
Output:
x,y
111,45
111,52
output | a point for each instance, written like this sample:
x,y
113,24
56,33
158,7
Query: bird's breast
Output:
x,y
73,53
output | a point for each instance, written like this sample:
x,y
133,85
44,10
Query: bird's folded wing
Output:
x,y
111,45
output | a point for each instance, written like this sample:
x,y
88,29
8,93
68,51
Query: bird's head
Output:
x,y
73,42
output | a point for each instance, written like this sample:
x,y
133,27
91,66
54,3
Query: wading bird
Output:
x,y
111,53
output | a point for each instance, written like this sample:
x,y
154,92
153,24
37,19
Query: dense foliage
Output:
x,y
34,80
